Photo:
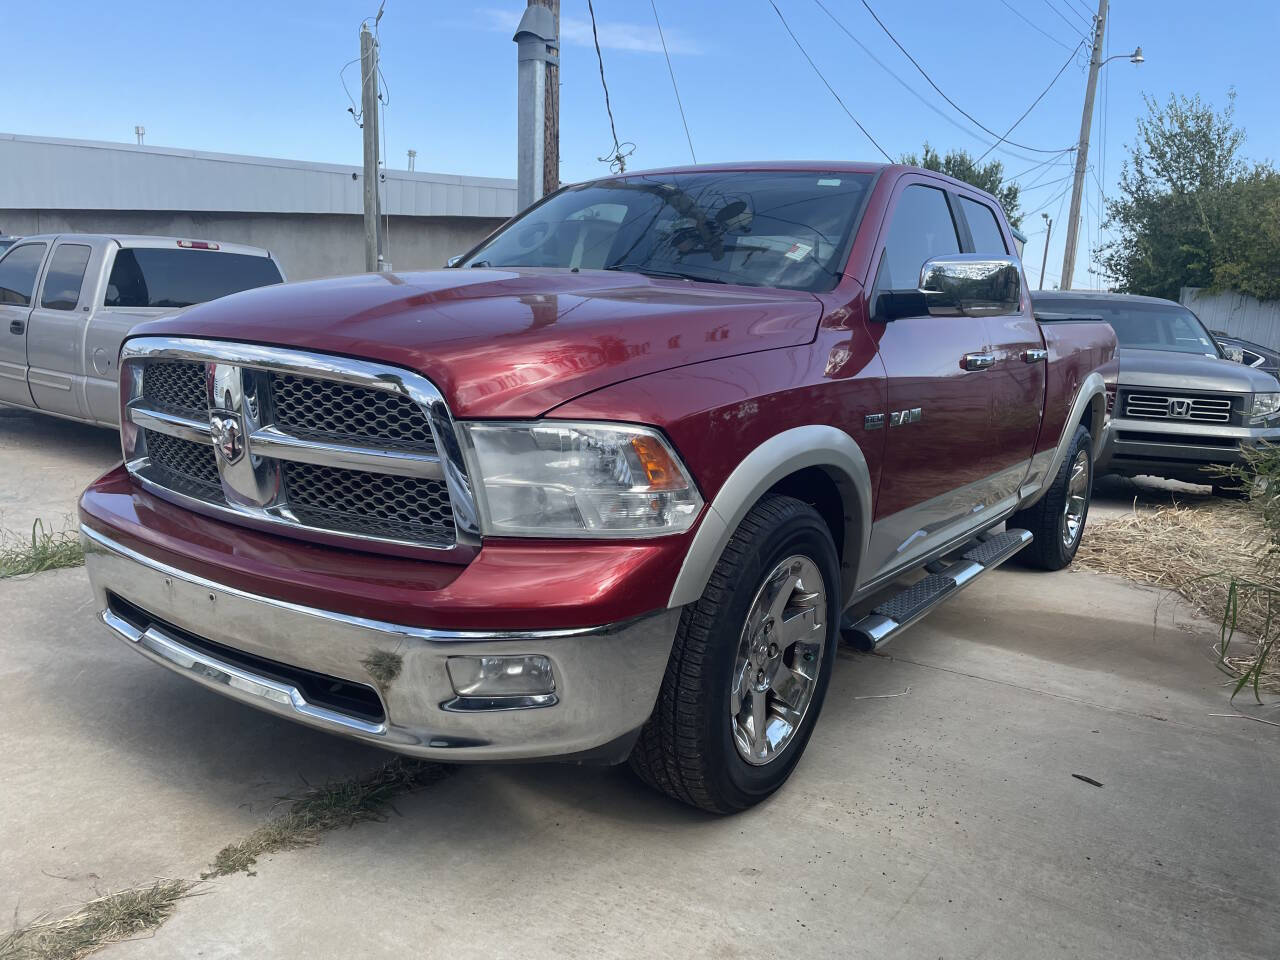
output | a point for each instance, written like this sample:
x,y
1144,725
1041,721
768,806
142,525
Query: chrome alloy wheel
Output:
x,y
779,658
1077,501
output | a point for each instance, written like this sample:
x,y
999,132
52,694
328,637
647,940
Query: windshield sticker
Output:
x,y
798,251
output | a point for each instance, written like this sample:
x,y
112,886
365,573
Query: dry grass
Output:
x,y
46,550
340,804
118,916
1211,554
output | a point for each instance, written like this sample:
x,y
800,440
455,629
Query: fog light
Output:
x,y
492,677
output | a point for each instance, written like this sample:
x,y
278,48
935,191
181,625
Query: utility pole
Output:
x,y
1082,150
1044,258
369,118
538,99
551,138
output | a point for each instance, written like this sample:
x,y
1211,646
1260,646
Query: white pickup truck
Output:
x,y
68,300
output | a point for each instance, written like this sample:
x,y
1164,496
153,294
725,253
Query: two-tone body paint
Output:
x,y
722,369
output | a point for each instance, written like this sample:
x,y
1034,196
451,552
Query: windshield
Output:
x,y
778,229
1144,326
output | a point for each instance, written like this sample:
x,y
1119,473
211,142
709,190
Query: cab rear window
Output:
x,y
156,277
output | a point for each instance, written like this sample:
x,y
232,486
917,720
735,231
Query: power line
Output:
x,y
670,70
941,92
1082,6
618,158
913,91
1051,162
1047,183
1018,13
1087,21
801,48
1035,101
1071,26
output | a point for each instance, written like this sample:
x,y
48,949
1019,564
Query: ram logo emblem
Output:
x,y
900,418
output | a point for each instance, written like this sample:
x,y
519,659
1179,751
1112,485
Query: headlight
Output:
x,y
1265,406
559,479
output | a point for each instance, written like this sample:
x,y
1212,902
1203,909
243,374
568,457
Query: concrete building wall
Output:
x,y
306,245
1236,314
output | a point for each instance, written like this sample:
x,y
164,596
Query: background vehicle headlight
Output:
x,y
1265,406
561,479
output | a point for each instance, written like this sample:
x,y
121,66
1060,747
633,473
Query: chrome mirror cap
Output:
x,y
972,285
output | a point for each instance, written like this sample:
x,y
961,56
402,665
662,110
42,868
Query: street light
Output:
x,y
1135,57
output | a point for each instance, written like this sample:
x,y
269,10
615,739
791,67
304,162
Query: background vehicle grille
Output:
x,y
1162,406
375,504
176,385
189,467
315,408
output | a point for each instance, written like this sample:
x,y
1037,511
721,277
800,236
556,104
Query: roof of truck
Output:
x,y
140,240
1095,295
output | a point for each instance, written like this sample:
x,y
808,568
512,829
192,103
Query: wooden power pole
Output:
x,y
1082,151
369,122
551,147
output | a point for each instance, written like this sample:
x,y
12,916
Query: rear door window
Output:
x,y
65,276
18,272
921,229
159,277
983,227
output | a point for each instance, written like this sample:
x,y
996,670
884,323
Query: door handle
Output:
x,y
1034,356
978,361
17,326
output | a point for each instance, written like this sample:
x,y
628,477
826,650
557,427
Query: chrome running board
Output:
x,y
904,608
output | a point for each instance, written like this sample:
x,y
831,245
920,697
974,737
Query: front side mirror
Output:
x,y
453,261
1231,351
971,285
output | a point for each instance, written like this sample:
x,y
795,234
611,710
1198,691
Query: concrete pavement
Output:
x,y
945,822
44,464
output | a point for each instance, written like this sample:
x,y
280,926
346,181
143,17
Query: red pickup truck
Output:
x,y
614,486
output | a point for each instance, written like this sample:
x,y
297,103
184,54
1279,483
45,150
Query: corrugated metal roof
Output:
x,y
45,173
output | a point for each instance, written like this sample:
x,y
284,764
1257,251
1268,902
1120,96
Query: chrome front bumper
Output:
x,y
606,678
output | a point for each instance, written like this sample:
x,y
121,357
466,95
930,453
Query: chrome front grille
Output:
x,y
310,445
1163,406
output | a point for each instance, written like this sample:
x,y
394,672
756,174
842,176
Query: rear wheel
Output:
x,y
1058,518
750,665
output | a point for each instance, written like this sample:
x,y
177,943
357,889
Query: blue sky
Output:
x,y
263,78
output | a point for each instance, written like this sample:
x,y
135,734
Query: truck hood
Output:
x,y
509,342
1189,371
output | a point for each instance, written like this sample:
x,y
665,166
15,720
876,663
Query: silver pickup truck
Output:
x,y
68,300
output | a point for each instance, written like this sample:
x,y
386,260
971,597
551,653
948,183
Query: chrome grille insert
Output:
x,y
325,410
368,503
189,466
1162,406
319,447
177,385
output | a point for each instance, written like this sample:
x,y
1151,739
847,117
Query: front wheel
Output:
x,y
750,664
1057,519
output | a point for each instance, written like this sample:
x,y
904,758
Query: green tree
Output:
x,y
962,166
1191,212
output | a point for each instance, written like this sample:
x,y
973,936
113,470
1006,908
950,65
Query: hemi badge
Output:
x,y
873,421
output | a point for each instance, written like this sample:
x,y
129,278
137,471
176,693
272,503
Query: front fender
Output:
x,y
812,445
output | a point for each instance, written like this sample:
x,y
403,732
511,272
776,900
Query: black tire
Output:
x,y
686,748
1046,518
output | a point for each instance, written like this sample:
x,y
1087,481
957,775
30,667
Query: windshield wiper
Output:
x,y
665,274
